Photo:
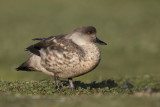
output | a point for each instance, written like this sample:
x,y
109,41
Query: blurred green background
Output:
x,y
130,27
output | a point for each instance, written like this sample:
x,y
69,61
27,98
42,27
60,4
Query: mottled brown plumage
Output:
x,y
65,56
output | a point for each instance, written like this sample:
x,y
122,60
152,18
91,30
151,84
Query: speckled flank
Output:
x,y
67,64
67,59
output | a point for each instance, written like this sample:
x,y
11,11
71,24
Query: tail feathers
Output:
x,y
24,67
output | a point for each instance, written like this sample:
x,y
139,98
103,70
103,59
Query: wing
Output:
x,y
44,43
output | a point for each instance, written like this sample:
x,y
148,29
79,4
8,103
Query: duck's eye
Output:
x,y
89,33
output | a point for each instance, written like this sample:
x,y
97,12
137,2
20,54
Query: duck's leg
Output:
x,y
71,83
56,82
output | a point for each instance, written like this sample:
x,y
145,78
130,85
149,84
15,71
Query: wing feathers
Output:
x,y
44,43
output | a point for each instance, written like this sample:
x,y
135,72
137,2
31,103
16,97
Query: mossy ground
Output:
x,y
107,87
41,93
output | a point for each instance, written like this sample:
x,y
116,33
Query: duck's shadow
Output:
x,y
106,83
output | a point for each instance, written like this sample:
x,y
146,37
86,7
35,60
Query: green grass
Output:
x,y
136,91
106,87
130,27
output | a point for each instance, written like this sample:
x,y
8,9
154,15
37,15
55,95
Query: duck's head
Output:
x,y
84,35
